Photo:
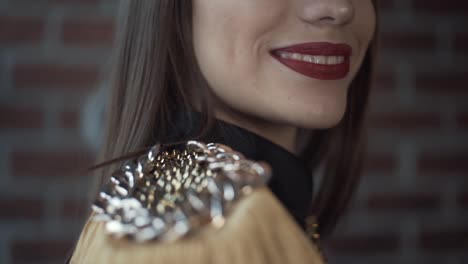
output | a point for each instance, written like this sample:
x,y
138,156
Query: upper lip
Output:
x,y
318,49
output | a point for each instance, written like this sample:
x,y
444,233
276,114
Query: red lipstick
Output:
x,y
319,60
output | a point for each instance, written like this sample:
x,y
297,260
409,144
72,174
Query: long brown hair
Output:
x,y
155,72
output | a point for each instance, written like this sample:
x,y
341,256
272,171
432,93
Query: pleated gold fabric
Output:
x,y
259,230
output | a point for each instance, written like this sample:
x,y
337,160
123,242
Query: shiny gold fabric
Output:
x,y
259,231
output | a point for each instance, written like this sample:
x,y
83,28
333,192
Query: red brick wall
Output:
x,y
51,58
412,203
410,208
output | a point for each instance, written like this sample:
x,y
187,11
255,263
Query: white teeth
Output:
x,y
325,60
308,58
296,56
321,60
332,60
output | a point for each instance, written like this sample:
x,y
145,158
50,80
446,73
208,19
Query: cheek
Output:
x,y
365,21
362,28
228,39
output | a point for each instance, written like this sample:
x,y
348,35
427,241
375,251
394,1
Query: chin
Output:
x,y
320,119
320,122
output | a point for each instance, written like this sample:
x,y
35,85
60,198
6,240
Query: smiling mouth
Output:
x,y
324,60
318,60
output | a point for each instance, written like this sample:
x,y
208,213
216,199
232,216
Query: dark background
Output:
x,y
412,205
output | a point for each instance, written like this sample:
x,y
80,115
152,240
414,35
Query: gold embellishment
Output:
x,y
169,193
312,227
313,234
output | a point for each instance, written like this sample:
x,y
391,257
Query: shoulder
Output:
x,y
258,230
226,214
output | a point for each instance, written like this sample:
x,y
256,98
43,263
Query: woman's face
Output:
x,y
275,60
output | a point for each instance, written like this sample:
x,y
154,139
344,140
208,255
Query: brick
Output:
x,y
441,163
405,121
70,119
387,4
385,81
377,162
74,1
20,208
74,208
462,200
39,251
12,117
443,83
462,120
460,43
407,41
88,33
444,240
403,201
441,8
359,244
55,77
16,30
50,164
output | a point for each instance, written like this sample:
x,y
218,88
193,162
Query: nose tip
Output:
x,y
336,12
344,13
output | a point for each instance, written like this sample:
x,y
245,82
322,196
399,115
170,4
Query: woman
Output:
x,y
280,86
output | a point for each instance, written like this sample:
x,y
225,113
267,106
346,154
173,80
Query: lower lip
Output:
x,y
317,71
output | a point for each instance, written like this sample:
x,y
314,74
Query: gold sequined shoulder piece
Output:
x,y
169,193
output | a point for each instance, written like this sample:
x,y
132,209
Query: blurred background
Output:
x,y
412,204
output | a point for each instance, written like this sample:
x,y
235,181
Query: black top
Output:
x,y
291,180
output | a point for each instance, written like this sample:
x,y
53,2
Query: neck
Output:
x,y
284,136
